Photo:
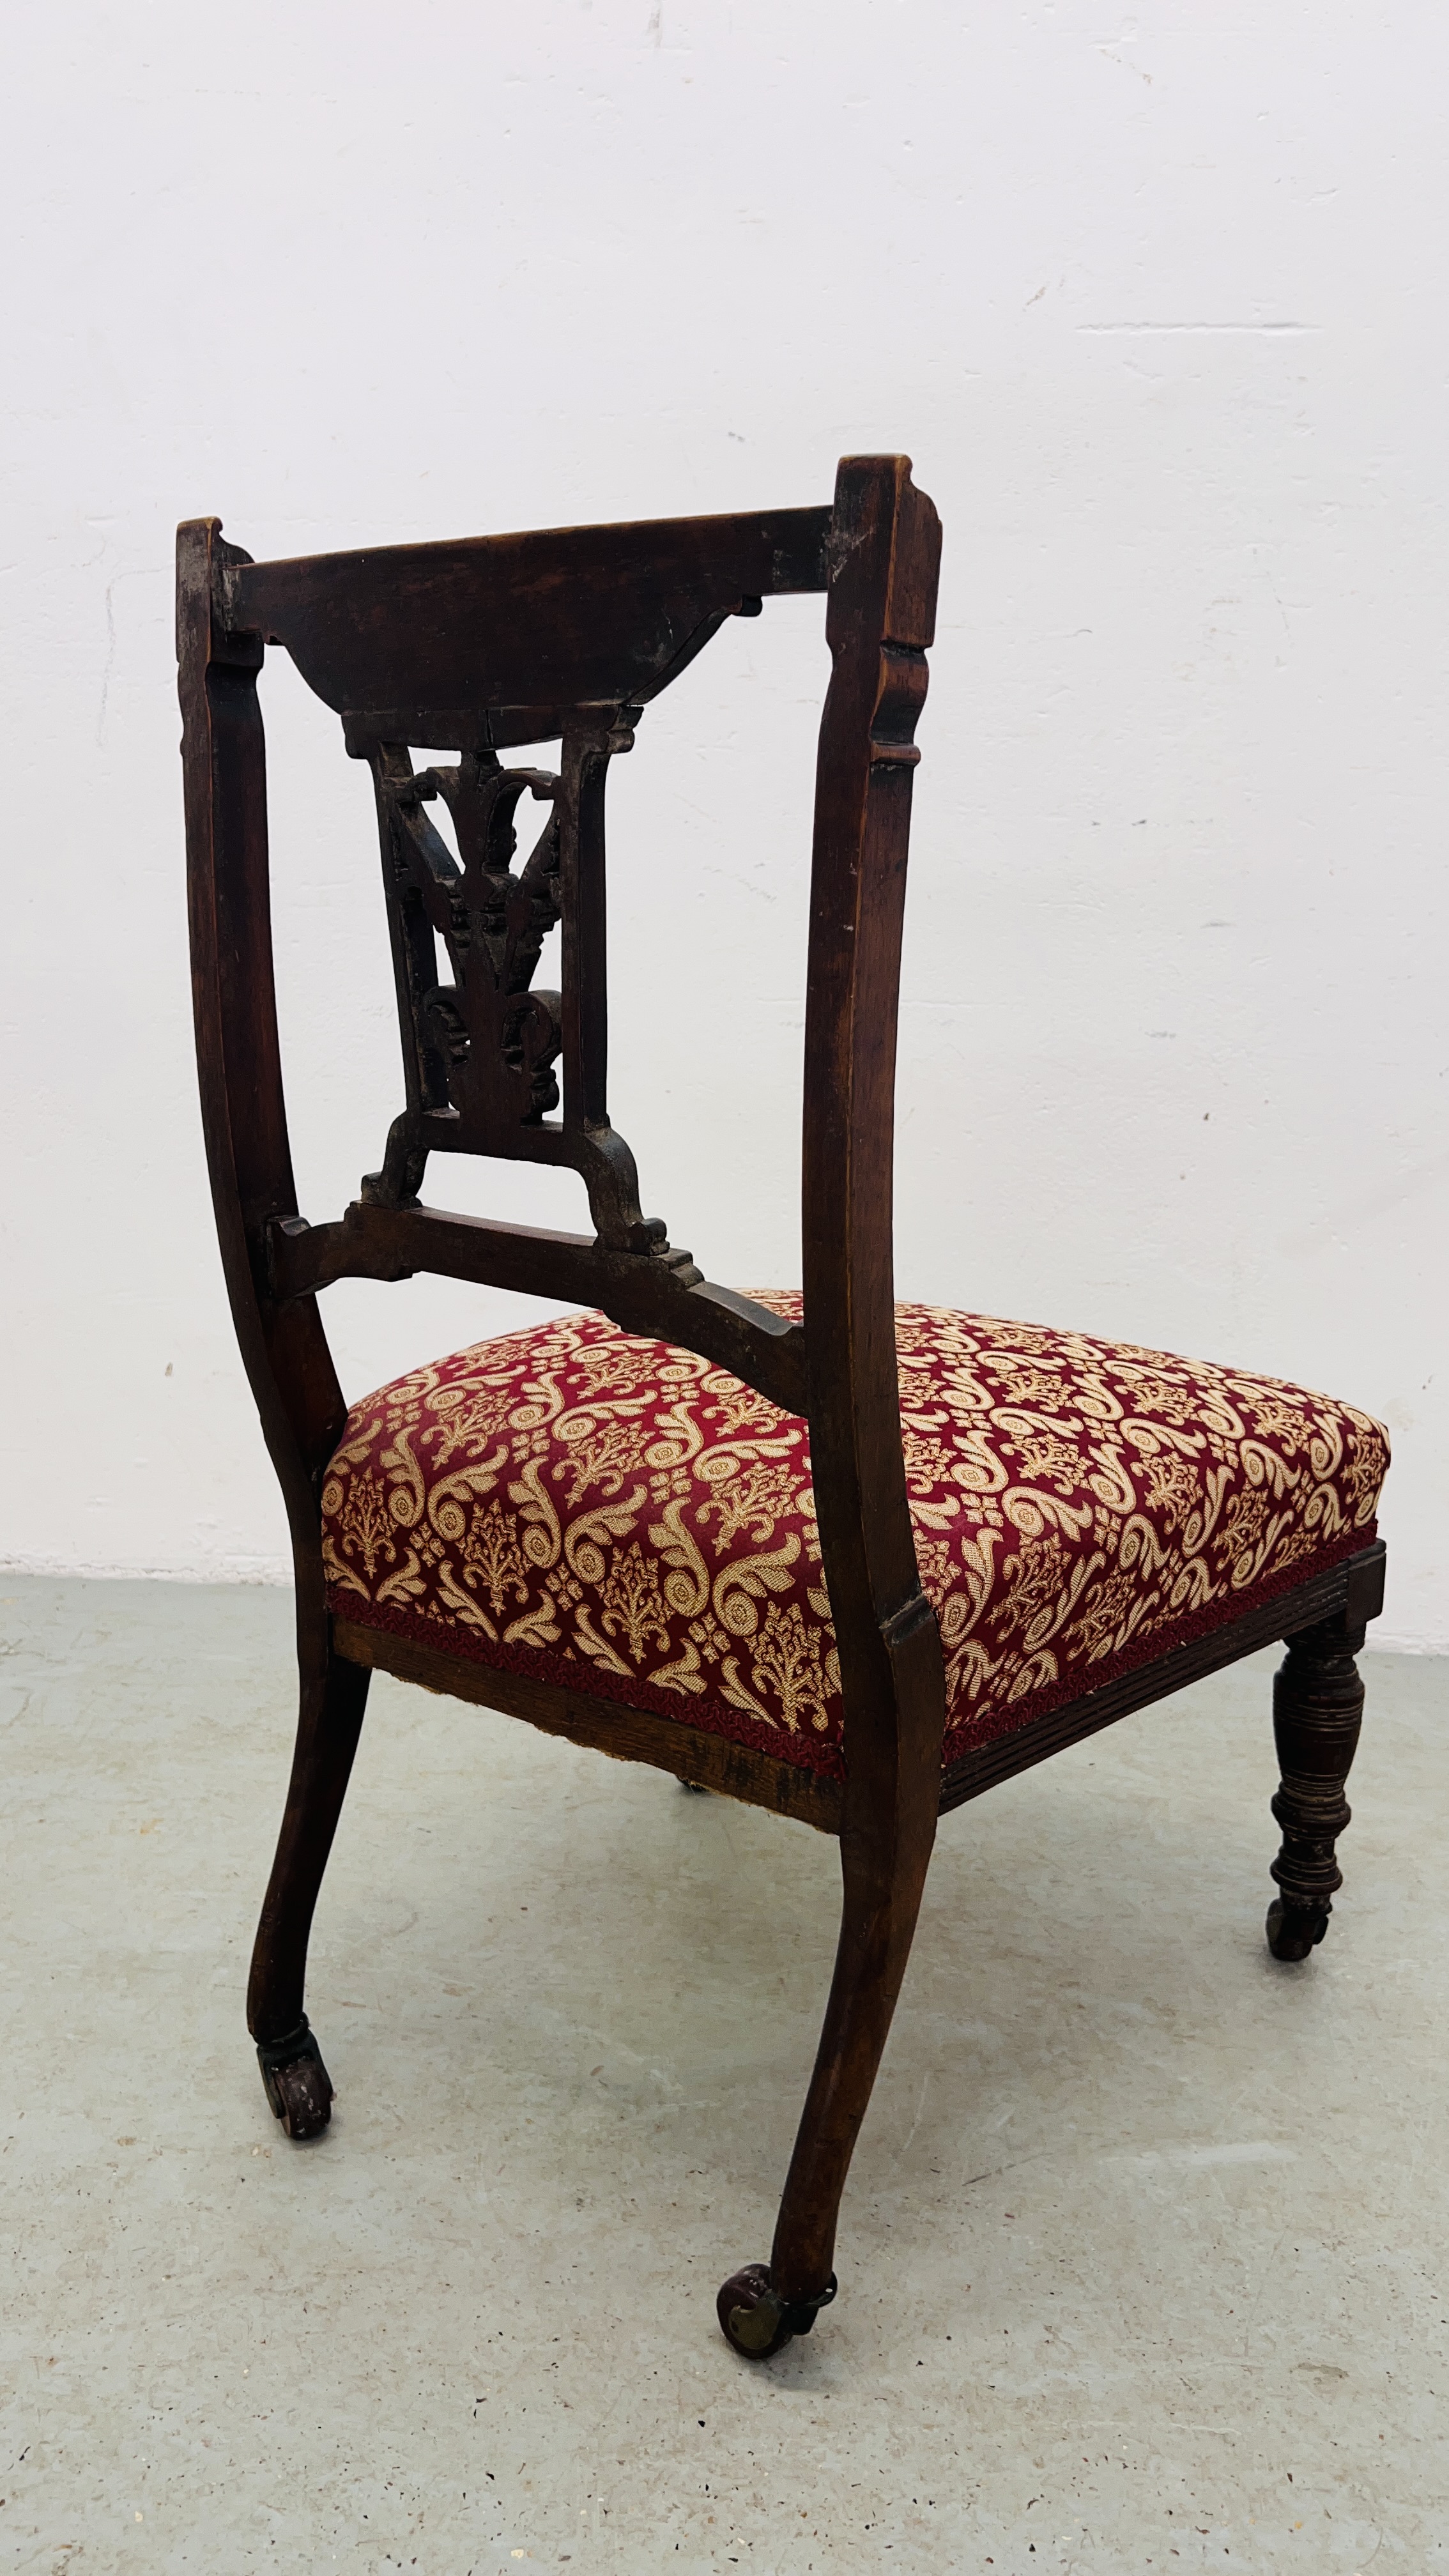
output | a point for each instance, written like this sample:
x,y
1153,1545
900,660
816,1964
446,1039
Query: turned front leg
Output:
x,y
1317,1712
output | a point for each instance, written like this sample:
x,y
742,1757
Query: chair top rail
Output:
x,y
487,641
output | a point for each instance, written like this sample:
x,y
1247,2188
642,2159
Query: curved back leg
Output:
x,y
887,1836
879,624
329,1723
763,2306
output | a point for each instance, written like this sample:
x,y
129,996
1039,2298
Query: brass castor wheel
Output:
x,y
1295,1930
298,2085
757,2321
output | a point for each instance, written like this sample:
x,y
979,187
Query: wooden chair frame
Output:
x,y
487,644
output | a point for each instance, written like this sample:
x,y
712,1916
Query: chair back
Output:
x,y
482,645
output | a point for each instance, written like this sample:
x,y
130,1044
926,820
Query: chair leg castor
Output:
x,y
757,2321
297,2083
1294,1931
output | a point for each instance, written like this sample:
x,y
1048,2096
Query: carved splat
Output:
x,y
481,1043
488,1040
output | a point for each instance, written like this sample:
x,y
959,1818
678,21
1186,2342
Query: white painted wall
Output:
x,y
1156,301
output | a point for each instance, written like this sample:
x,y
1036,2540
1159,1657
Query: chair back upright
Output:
x,y
482,645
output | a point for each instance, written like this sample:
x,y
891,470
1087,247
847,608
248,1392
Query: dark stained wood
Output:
x,y
283,1347
1317,1713
879,620
490,640
661,1294
1359,1579
566,636
689,1753
327,1737
238,1051
479,1051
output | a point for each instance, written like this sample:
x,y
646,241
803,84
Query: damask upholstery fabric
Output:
x,y
621,1517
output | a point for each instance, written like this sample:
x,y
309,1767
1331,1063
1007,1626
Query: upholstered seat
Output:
x,y
618,1515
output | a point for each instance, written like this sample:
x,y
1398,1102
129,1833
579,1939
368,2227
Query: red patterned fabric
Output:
x,y
623,1518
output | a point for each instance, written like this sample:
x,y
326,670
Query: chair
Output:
x,y
850,1562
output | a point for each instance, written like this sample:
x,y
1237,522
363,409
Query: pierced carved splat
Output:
x,y
487,1040
482,1045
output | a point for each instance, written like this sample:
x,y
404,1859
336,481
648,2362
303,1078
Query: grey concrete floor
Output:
x,y
1142,2261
